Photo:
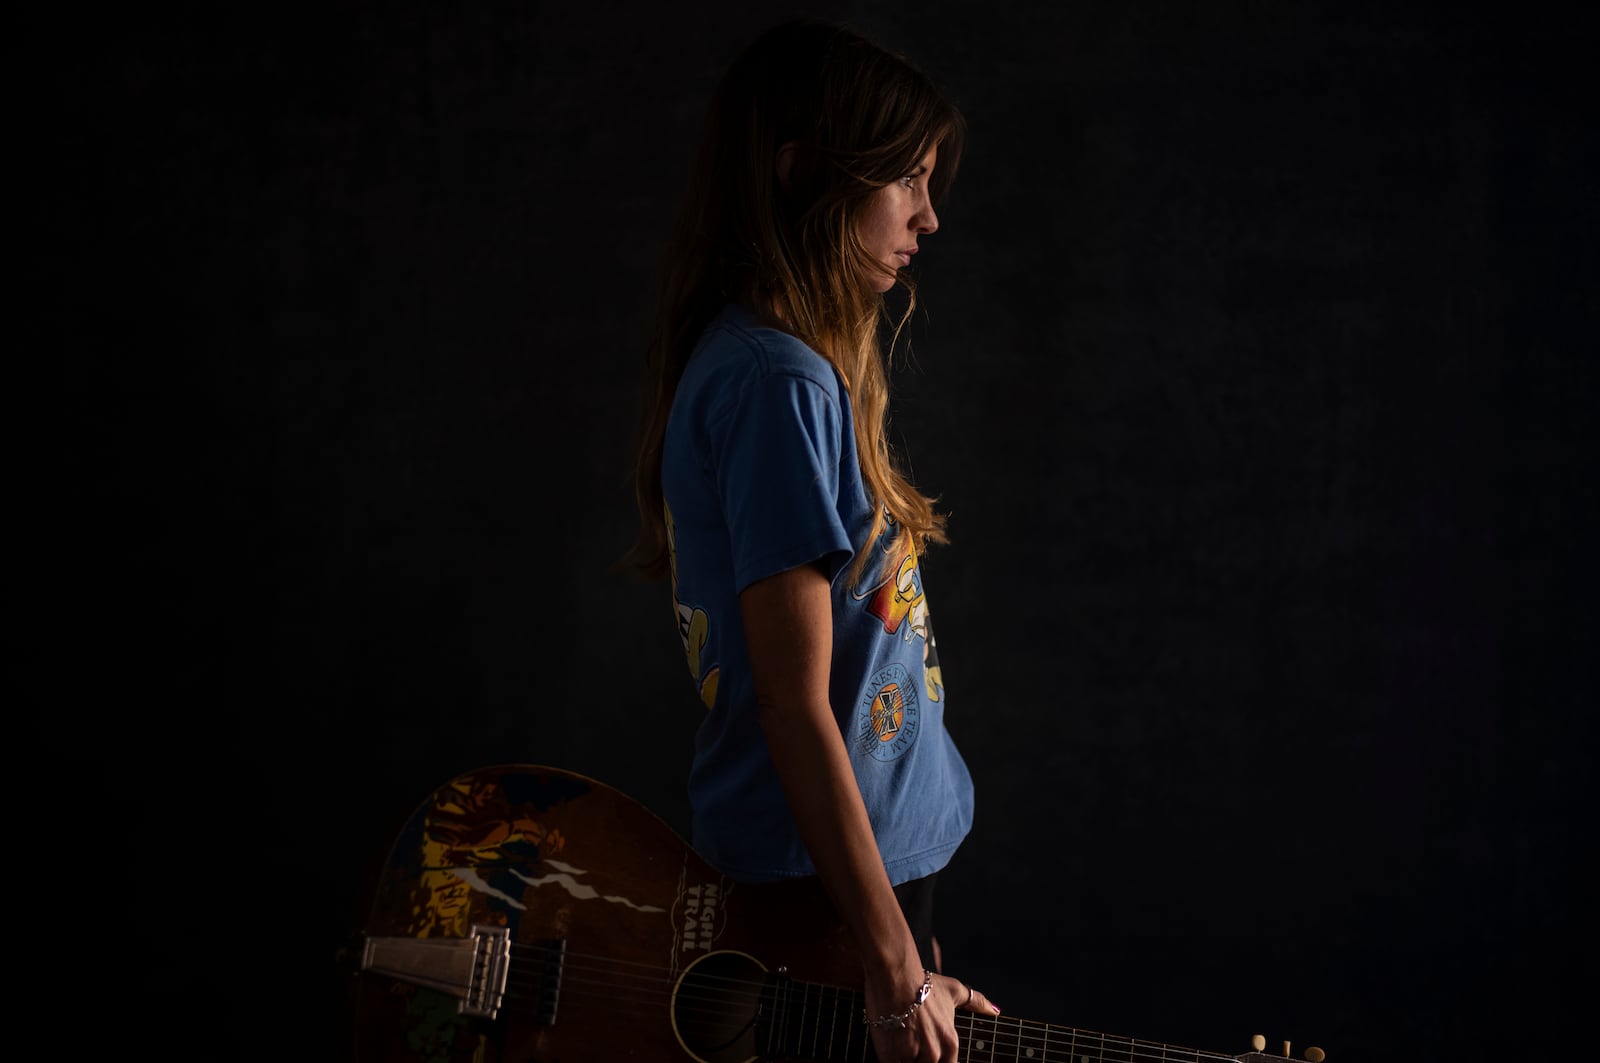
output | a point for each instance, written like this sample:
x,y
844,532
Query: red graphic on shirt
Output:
x,y
896,598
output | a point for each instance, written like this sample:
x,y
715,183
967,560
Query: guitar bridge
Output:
x,y
472,969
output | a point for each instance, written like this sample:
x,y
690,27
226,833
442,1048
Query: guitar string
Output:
x,y
1002,1037
607,975
980,1037
996,1037
599,977
607,983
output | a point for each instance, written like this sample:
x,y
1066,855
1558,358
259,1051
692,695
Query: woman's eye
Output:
x,y
909,180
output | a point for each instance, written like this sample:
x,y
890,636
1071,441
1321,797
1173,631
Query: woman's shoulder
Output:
x,y
736,343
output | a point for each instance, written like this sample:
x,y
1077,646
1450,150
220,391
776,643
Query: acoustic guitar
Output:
x,y
525,913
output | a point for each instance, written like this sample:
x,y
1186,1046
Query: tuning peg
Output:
x,y
1313,1054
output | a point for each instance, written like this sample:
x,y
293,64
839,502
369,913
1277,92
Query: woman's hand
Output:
x,y
929,1035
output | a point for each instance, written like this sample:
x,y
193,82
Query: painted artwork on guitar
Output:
x,y
532,914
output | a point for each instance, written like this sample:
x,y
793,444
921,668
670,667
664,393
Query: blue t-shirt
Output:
x,y
760,475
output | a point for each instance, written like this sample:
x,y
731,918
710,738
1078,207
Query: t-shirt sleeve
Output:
x,y
777,474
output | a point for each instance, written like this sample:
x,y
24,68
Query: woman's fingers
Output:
x,y
969,998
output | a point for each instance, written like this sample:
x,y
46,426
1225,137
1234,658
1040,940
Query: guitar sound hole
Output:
x,y
715,1006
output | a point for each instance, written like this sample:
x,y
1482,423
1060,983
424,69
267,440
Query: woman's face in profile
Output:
x,y
897,214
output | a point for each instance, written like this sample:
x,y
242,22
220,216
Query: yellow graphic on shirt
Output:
x,y
888,712
900,597
694,627
897,599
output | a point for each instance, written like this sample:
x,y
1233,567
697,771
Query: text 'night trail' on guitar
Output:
x,y
530,914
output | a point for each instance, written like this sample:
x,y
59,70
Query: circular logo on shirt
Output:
x,y
890,713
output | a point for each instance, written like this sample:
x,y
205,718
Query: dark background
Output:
x,y
1252,367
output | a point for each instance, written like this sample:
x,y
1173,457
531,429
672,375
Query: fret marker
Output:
x,y
978,1045
1029,1053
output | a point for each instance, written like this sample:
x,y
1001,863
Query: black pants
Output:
x,y
916,901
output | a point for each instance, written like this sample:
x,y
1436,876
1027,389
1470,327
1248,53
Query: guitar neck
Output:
x,y
806,1021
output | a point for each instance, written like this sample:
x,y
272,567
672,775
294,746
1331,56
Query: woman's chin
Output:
x,y
881,282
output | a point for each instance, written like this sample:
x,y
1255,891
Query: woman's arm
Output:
x,y
788,625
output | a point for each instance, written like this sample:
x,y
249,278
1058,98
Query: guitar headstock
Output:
x,y
1261,1055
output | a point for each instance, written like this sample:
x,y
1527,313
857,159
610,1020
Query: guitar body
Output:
x,y
527,914
607,912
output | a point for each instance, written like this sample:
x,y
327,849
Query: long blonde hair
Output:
x,y
859,118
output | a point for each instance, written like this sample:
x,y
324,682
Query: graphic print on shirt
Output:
x,y
694,627
890,712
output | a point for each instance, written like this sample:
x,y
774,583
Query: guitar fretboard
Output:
x,y
817,1022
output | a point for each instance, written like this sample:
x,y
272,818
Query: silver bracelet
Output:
x,y
899,1021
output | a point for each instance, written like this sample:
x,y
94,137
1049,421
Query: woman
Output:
x,y
768,491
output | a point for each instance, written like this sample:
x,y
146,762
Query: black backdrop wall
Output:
x,y
1249,367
